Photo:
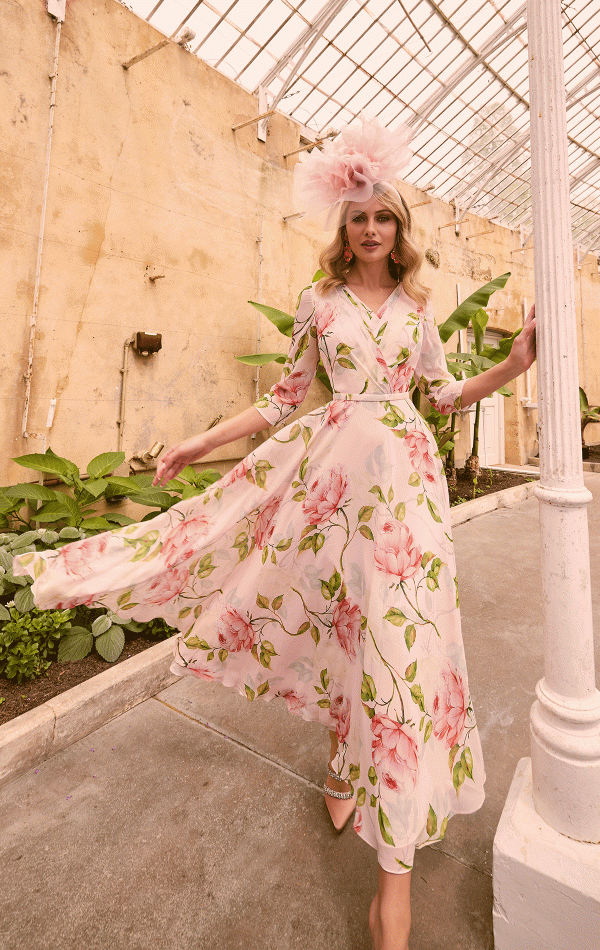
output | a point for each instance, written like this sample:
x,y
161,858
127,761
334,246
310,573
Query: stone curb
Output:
x,y
40,733
501,499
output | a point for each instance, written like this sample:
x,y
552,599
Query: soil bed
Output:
x,y
19,697
489,481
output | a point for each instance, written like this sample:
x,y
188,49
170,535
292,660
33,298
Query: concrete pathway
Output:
x,y
195,820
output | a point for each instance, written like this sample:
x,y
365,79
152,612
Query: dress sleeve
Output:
x,y
299,369
431,372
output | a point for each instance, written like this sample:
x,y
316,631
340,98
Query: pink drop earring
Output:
x,y
394,256
348,255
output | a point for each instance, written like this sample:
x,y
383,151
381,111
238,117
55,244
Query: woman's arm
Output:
x,y
519,359
191,450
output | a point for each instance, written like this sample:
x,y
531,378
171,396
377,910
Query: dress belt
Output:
x,y
369,397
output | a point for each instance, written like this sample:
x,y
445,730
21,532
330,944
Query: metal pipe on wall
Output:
x,y
28,375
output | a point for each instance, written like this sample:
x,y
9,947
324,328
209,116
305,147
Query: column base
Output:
x,y
546,886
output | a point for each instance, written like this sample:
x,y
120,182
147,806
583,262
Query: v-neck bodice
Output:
x,y
362,351
372,313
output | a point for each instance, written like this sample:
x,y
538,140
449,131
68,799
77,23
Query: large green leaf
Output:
x,y
261,359
53,510
95,487
49,463
153,499
479,322
124,484
283,321
24,600
105,463
96,524
460,318
31,491
75,645
116,518
110,645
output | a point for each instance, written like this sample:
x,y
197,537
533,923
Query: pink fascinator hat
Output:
x,y
361,162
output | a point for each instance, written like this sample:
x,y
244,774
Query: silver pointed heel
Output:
x,y
340,805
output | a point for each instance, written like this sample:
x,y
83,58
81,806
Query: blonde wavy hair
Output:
x,y
406,272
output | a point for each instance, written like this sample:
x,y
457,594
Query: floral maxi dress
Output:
x,y
321,570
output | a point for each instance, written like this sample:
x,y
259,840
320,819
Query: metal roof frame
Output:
x,y
454,70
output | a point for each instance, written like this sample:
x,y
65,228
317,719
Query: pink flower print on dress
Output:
x,y
324,318
165,587
235,633
346,624
420,455
202,674
340,712
325,495
78,558
358,821
396,552
336,413
449,706
239,471
76,602
265,522
182,542
292,390
400,378
395,754
295,701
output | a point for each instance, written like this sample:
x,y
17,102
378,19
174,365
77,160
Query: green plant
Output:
x,y
588,414
76,504
285,324
483,356
28,639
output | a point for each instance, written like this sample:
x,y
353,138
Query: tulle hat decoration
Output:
x,y
362,161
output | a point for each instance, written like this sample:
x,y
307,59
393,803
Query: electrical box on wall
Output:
x,y
145,342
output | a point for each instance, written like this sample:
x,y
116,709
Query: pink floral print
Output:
x,y
182,543
265,522
396,552
346,623
395,754
78,559
419,450
234,632
325,495
324,318
239,471
450,704
292,390
296,702
336,414
165,586
340,713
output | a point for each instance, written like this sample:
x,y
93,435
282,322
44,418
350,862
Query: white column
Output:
x,y
546,855
565,719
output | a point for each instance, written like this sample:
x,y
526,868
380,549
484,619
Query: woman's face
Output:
x,y
371,230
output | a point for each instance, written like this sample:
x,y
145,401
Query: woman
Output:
x,y
321,568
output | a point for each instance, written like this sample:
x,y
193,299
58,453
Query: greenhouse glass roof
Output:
x,y
454,70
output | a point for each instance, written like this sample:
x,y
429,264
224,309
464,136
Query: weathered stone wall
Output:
x,y
147,178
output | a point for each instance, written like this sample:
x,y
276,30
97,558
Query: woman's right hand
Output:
x,y
180,455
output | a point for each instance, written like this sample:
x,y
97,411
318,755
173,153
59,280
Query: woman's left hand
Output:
x,y
522,354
